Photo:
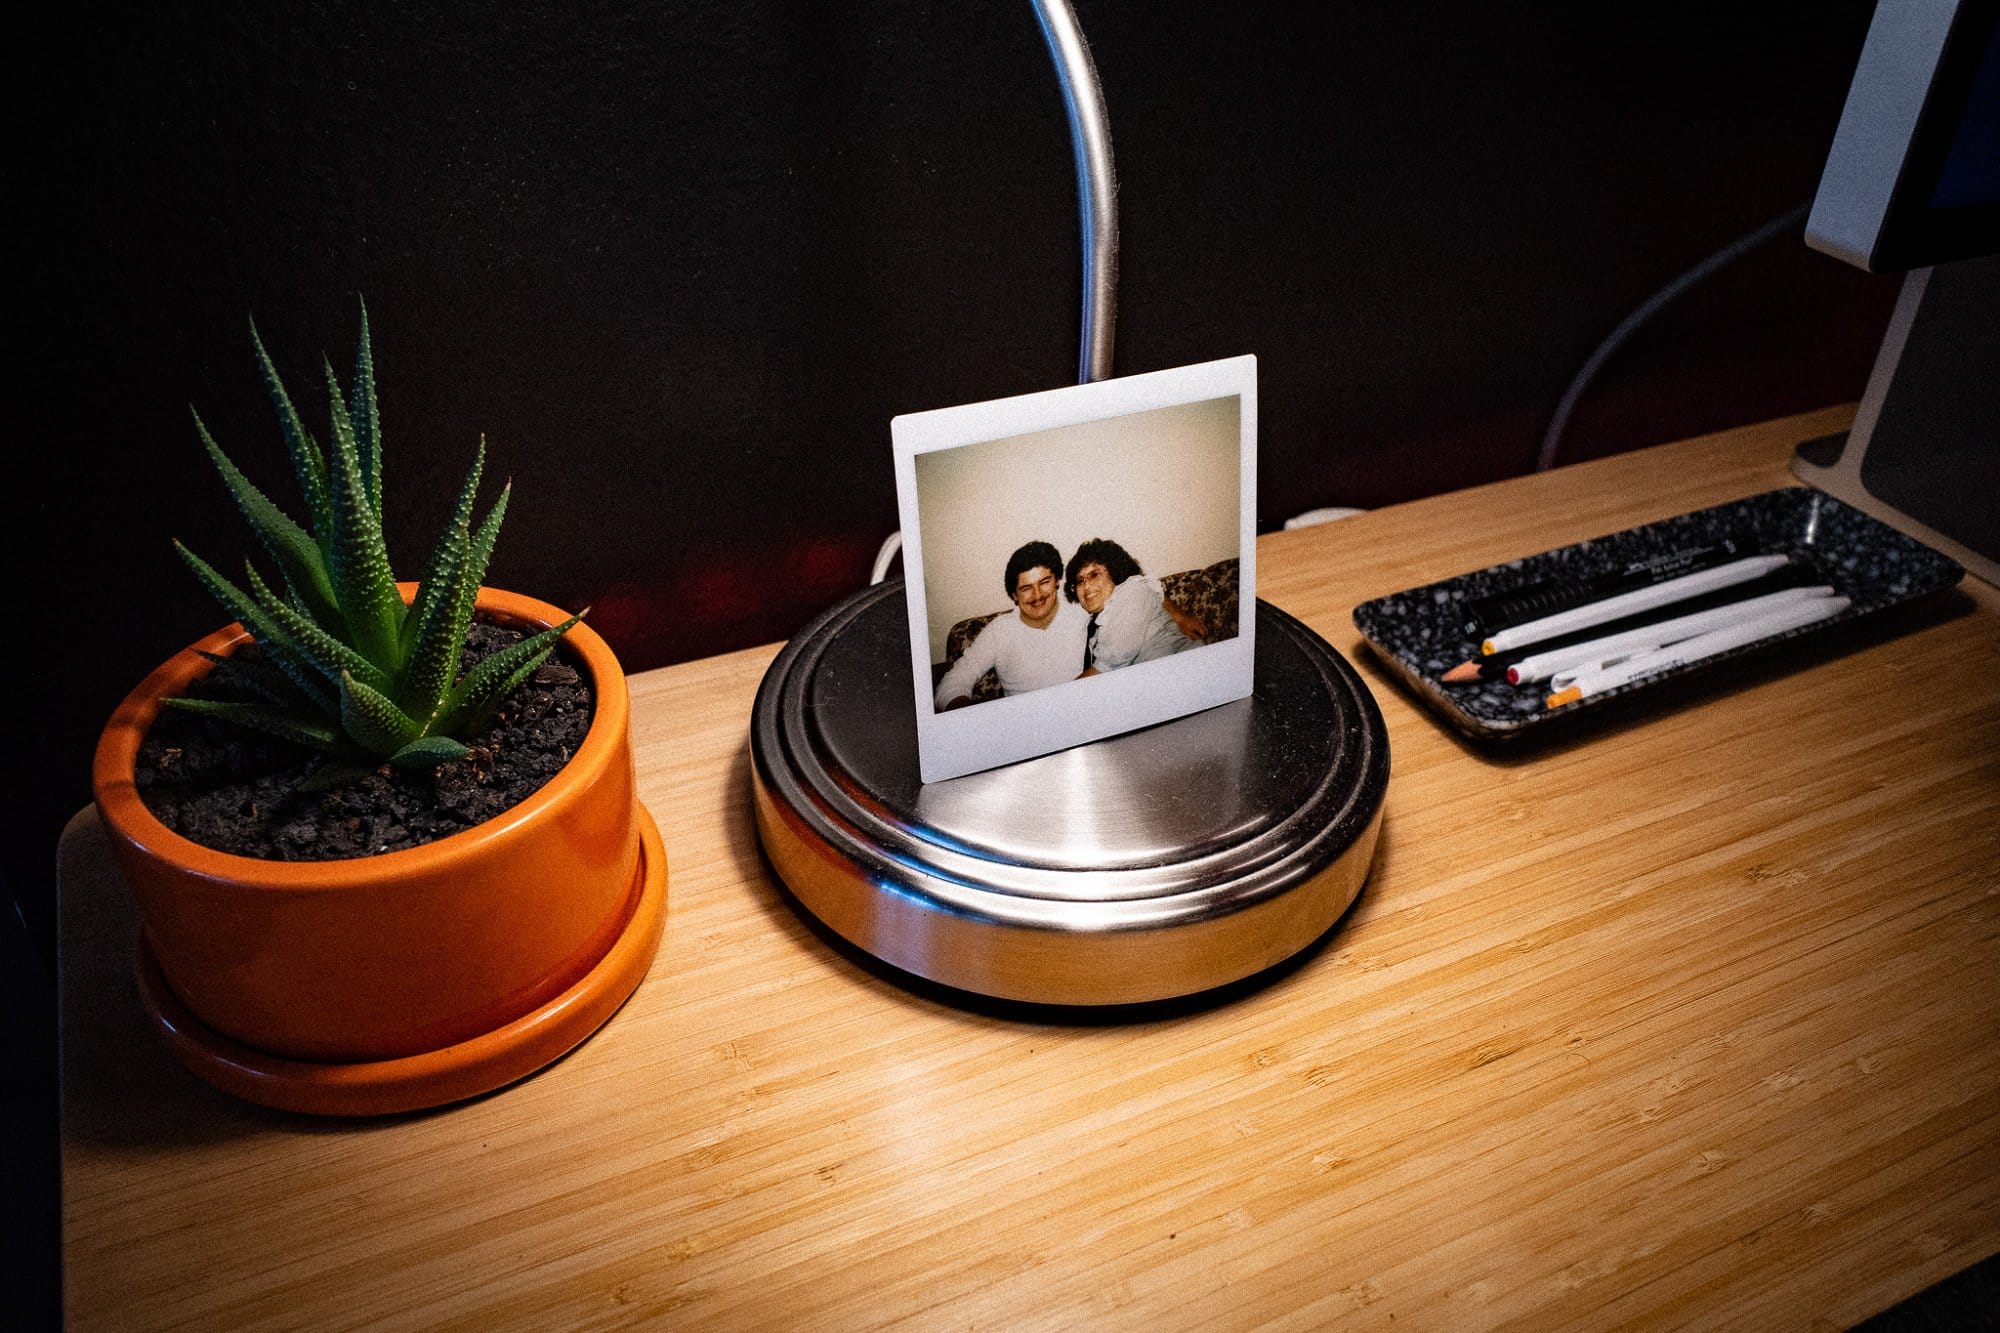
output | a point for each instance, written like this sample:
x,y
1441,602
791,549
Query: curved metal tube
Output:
x,y
1096,184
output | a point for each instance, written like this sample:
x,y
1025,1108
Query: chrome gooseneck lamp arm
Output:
x,y
1096,206
1096,183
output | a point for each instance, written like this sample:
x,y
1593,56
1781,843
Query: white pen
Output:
x,y
1629,603
1776,622
1558,662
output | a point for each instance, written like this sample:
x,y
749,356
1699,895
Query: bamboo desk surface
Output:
x,y
1695,1019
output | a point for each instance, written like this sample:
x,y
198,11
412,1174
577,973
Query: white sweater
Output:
x,y
1026,658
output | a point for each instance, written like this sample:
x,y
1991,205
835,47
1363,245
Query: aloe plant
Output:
x,y
346,667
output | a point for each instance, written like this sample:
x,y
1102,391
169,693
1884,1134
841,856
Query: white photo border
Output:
x,y
1007,730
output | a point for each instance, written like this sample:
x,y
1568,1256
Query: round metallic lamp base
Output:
x,y
1153,865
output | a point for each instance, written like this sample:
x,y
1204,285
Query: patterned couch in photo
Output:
x,y
1208,596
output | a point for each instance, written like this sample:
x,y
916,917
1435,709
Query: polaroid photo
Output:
x,y
1078,563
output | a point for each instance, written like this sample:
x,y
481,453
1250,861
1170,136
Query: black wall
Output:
x,y
681,263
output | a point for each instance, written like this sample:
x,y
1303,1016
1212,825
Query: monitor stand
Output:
x,y
1924,453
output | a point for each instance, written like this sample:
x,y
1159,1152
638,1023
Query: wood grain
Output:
x,y
1690,1019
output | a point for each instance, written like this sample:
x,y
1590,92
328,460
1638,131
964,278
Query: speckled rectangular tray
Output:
x,y
1422,632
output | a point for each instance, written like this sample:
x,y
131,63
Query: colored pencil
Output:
x,y
1699,647
1556,662
1624,604
1497,610
1480,667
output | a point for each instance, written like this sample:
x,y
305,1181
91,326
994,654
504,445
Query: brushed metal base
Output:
x,y
1156,864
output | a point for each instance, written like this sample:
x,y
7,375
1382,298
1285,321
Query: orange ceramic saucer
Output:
x,y
433,1078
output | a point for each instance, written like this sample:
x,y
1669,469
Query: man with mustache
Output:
x,y
1040,645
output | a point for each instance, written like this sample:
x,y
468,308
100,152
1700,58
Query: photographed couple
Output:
x,y
1106,614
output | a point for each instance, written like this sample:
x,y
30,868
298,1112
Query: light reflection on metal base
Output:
x,y
1152,865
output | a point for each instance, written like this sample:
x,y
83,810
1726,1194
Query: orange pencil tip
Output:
x,y
1462,672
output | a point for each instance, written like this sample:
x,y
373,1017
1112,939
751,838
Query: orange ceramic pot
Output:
x,y
413,977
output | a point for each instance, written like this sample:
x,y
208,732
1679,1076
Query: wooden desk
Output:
x,y
1695,1019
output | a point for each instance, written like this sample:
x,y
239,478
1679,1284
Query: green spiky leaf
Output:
x,y
336,773
431,662
430,655
372,720
282,650
427,752
477,713
332,622
362,580
328,655
290,724
308,463
472,703
295,551
366,420
263,680
441,640
480,552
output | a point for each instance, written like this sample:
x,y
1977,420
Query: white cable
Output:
x,y
892,544
1728,254
1313,517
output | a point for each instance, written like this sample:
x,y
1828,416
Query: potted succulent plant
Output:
x,y
396,979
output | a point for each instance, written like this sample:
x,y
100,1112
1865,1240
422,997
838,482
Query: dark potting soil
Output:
x,y
237,790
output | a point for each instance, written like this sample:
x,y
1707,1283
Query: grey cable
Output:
x,y
1728,254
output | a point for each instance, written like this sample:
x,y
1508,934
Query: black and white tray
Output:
x,y
1423,632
